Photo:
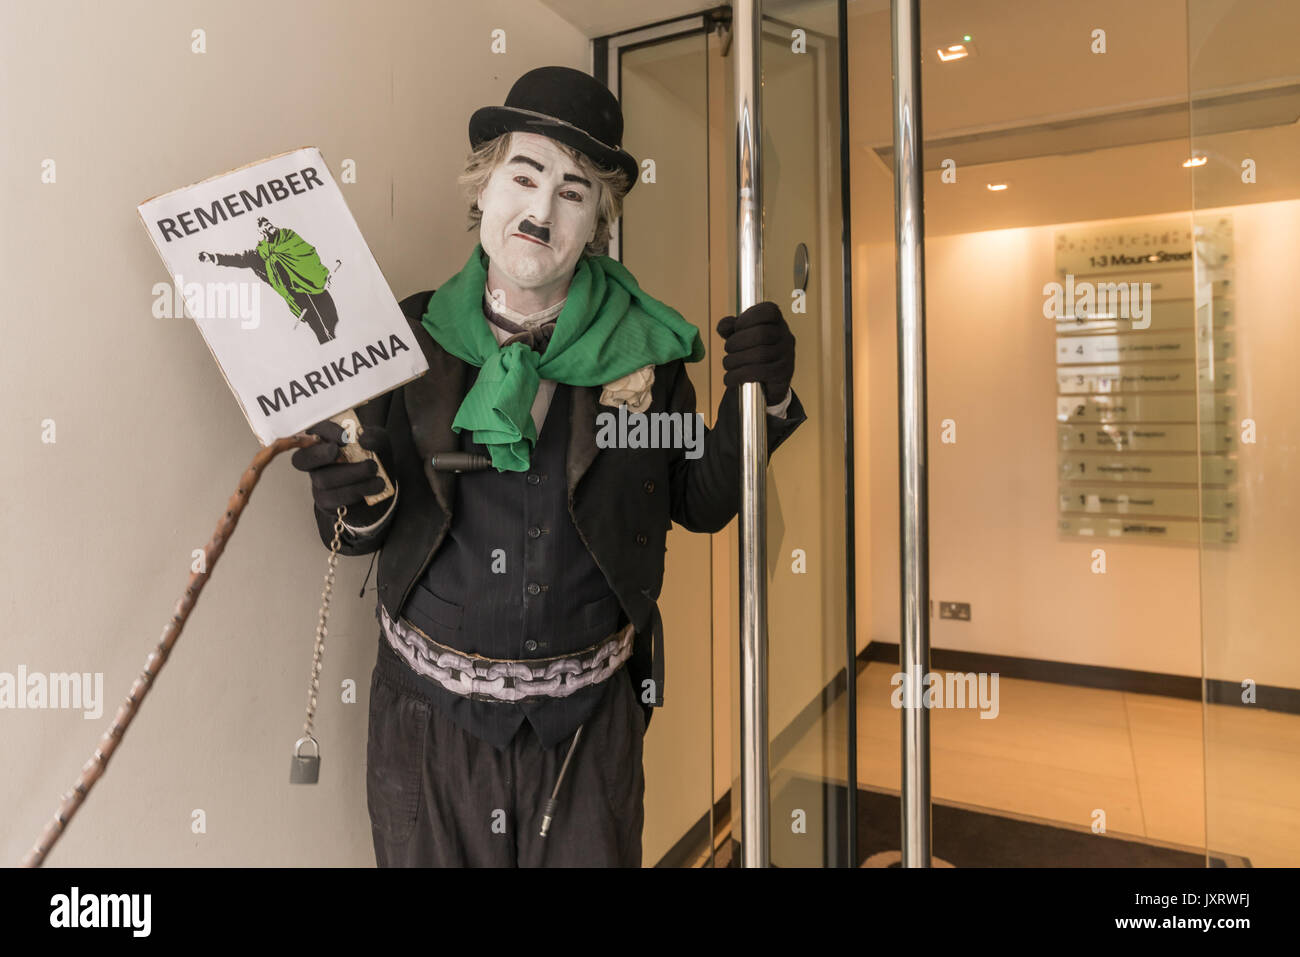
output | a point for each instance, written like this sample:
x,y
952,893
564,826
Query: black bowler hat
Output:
x,y
567,105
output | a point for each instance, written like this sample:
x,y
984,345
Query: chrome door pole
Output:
x,y
913,501
746,24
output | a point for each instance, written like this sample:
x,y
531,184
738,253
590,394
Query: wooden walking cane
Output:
x,y
94,768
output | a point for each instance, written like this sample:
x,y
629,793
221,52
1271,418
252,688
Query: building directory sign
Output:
x,y
1145,405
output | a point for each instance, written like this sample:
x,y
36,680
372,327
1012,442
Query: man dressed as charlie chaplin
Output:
x,y
521,645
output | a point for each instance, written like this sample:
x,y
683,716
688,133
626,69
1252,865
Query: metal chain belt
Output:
x,y
504,679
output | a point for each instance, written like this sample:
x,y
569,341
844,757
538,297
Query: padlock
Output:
x,y
304,768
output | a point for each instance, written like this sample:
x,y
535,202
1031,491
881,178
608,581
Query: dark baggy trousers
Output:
x,y
440,797
319,313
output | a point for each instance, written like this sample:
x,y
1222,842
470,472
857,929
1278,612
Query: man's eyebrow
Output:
x,y
530,161
568,177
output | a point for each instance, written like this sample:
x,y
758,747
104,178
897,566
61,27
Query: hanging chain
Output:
x,y
314,686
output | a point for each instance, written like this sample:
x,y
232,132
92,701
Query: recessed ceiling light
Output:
x,y
955,51
1195,161
997,187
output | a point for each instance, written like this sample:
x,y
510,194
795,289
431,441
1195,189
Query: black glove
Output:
x,y
336,482
760,348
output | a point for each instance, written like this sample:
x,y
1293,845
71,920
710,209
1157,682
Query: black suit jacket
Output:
x,y
623,501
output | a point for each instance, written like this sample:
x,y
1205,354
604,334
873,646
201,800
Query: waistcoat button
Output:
x,y
534,478
649,485
534,588
534,532
530,645
641,539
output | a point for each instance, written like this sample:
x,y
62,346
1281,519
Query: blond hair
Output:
x,y
612,183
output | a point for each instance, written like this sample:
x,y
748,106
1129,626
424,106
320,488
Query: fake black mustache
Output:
x,y
541,232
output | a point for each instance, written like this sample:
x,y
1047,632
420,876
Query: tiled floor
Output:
x,y
1062,753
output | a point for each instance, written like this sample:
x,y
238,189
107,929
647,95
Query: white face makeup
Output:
x,y
539,211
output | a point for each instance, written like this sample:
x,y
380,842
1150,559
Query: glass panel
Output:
x,y
875,414
1065,627
1244,68
807,586
665,240
677,99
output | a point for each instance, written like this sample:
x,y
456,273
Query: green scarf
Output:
x,y
292,266
608,328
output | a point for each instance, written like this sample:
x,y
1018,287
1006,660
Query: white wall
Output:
x,y
98,527
993,538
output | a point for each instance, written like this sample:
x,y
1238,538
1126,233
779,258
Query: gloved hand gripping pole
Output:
x,y
108,744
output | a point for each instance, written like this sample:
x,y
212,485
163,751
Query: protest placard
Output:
x,y
269,263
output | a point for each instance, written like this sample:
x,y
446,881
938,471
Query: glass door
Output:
x,y
1245,99
1062,434
678,234
664,238
810,658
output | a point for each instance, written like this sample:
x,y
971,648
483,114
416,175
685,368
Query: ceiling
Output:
x,y
599,18
1077,134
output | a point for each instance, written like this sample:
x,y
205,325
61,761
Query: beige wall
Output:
x,y
99,527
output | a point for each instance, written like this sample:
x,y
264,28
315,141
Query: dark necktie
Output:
x,y
536,338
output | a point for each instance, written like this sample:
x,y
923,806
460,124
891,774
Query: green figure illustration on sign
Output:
x,y
291,266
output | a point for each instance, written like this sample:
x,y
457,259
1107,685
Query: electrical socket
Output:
x,y
957,610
